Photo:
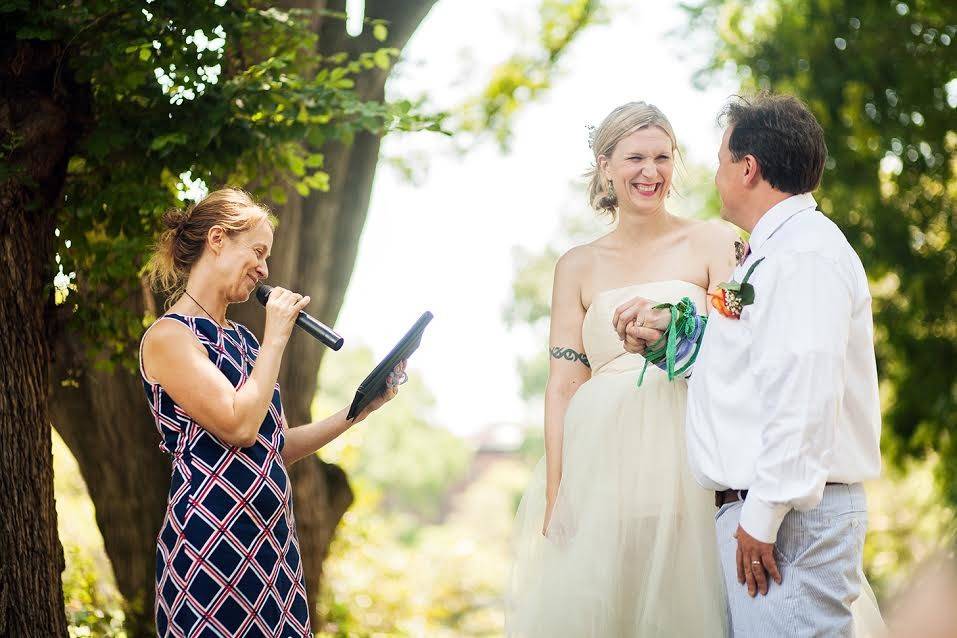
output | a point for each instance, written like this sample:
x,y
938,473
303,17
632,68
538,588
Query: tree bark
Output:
x,y
37,131
104,419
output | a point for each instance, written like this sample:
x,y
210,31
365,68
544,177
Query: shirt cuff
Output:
x,y
762,520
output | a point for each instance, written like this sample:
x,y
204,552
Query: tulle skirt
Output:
x,y
630,549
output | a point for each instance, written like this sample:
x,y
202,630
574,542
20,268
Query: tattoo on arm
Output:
x,y
559,352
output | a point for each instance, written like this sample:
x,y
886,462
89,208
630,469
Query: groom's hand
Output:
x,y
641,314
755,561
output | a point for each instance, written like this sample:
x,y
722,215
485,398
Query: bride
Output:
x,y
613,537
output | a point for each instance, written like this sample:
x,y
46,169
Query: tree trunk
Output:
x,y
37,130
106,423
316,246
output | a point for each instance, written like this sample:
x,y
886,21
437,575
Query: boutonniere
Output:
x,y
733,296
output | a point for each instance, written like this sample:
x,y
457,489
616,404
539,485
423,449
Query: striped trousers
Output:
x,y
818,553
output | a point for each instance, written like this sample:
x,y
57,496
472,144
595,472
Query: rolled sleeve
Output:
x,y
801,328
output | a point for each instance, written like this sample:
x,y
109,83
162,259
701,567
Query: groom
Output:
x,y
783,416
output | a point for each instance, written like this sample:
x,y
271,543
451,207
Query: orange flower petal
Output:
x,y
718,302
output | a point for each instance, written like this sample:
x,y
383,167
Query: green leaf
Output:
x,y
75,165
145,54
747,294
382,59
35,32
314,160
730,285
277,195
380,32
316,136
318,181
297,165
170,139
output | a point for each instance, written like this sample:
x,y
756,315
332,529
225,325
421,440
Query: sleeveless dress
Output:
x,y
630,549
227,556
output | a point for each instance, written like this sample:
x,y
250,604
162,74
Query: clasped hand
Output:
x,y
639,324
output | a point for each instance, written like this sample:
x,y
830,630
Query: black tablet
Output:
x,y
374,384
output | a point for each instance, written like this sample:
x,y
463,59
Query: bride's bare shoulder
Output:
x,y
577,265
580,258
712,234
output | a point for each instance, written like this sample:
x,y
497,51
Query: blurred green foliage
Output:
x,y
174,93
527,73
94,607
908,522
423,550
881,77
397,452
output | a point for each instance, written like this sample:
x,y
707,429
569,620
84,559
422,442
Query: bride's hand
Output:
x,y
638,339
641,314
549,506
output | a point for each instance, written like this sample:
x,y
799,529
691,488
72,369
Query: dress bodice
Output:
x,y
605,351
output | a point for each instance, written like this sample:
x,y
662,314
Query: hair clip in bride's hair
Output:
x,y
591,135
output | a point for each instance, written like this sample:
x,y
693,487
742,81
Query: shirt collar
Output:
x,y
777,215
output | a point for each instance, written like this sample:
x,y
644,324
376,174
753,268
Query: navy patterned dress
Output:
x,y
227,556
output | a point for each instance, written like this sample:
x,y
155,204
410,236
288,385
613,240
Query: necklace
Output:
x,y
203,309
242,341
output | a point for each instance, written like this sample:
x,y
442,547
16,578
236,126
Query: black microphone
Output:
x,y
310,324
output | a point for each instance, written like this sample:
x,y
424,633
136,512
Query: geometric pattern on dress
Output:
x,y
227,559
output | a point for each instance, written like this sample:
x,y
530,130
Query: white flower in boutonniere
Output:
x,y
734,296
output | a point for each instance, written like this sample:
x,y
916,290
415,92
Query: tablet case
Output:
x,y
374,384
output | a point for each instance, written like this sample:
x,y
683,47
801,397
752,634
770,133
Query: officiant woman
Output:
x,y
227,555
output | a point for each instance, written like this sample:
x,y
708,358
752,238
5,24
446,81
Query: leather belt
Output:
x,y
730,496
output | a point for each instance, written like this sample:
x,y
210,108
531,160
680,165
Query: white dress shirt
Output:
x,y
785,399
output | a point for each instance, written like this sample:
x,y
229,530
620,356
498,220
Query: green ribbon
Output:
x,y
682,325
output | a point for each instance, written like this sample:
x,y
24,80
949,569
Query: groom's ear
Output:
x,y
752,170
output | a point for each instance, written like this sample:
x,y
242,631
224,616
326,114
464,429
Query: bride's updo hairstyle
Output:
x,y
181,243
619,124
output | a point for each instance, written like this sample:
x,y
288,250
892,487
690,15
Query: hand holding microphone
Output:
x,y
285,308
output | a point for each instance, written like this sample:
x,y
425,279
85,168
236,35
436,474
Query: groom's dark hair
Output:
x,y
782,133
